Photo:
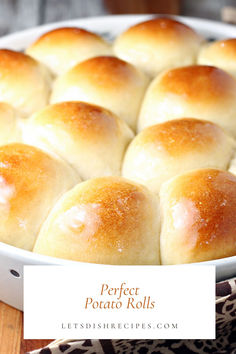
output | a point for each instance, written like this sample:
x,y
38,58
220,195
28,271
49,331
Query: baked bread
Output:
x,y
158,44
105,81
107,220
91,138
31,181
62,48
9,130
24,83
199,223
221,54
165,150
187,123
203,92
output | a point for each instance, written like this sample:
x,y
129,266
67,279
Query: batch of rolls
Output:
x,y
120,153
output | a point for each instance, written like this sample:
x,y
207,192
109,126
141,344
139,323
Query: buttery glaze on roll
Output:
x,y
221,54
232,166
24,83
203,92
31,181
62,48
167,149
199,223
9,130
158,44
105,81
107,220
91,138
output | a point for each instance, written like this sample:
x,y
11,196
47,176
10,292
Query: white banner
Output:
x,y
119,302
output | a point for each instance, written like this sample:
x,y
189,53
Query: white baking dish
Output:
x,y
12,259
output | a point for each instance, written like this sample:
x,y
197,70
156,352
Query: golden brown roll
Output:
x,y
167,149
158,44
62,48
89,137
203,92
31,181
107,220
9,130
221,54
199,222
24,83
106,81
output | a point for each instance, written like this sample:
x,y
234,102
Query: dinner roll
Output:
x,y
199,223
167,149
9,130
62,48
30,183
24,83
107,220
221,54
106,81
90,138
158,44
203,92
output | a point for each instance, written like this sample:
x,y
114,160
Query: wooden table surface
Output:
x,y
11,333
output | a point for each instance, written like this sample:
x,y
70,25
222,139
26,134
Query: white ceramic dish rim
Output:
x,y
22,254
114,24
14,258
